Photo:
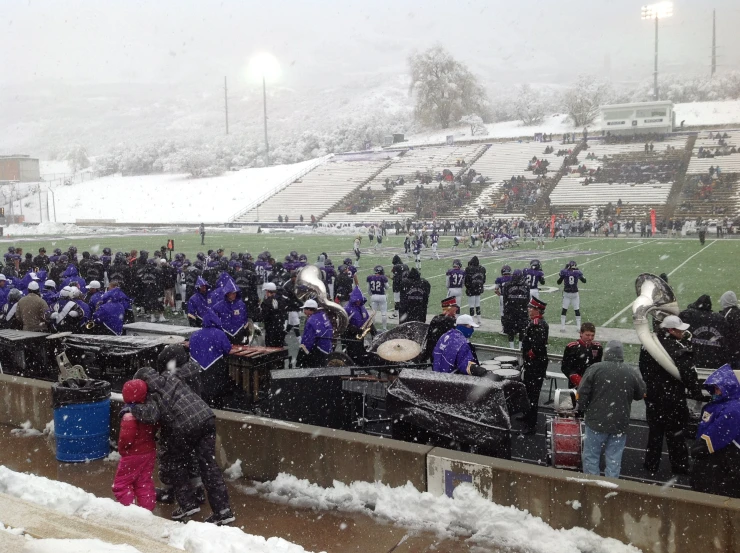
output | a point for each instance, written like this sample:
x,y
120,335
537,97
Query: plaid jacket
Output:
x,y
171,402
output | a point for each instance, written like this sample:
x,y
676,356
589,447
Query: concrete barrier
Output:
x,y
656,519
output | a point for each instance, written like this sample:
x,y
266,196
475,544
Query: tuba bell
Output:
x,y
309,286
654,298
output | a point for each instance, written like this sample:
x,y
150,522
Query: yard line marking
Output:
x,y
669,274
585,263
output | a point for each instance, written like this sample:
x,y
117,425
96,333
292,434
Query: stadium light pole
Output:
x,y
661,10
265,66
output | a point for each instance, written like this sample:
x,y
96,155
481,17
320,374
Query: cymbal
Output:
x,y
398,350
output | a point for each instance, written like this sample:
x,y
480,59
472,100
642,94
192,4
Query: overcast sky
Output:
x,y
318,41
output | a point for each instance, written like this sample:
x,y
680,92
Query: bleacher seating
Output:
x,y
316,192
375,201
707,194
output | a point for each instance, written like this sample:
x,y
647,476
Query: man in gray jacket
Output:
x,y
605,394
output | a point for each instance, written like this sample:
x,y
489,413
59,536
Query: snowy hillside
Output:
x,y
162,198
693,114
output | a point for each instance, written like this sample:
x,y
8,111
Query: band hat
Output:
x,y
310,304
673,321
449,301
466,320
3,277
33,286
50,284
94,284
269,287
537,304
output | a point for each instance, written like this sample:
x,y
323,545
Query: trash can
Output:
x,y
81,419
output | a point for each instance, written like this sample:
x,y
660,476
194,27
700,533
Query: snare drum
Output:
x,y
507,374
490,365
507,360
564,442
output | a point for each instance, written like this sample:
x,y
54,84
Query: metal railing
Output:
x,y
285,184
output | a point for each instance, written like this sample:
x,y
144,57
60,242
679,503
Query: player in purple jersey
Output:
x,y
570,277
377,284
352,270
435,244
498,285
418,244
455,281
534,277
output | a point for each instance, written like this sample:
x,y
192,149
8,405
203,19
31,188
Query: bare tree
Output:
x,y
581,102
445,89
476,124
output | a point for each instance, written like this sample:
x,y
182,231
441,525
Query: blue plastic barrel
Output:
x,y
81,420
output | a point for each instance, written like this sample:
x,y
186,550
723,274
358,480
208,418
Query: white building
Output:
x,y
640,117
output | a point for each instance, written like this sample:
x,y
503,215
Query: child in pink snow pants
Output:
x,y
133,481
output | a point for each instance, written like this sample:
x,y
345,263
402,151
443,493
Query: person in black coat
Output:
x,y
709,331
440,325
191,428
731,314
665,401
273,312
41,261
475,279
515,293
415,292
398,272
534,353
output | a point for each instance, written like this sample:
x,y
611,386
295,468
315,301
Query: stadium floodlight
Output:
x,y
661,10
265,66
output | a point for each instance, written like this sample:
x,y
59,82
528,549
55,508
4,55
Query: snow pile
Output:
x,y
45,229
26,430
468,514
76,546
195,537
234,472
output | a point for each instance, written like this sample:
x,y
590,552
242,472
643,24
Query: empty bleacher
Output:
x,y
316,192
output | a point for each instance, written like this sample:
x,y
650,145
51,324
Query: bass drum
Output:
x,y
339,359
564,442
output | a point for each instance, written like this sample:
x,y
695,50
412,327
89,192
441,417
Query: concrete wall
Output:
x,y
650,517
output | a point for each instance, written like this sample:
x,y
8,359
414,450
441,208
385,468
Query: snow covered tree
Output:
x,y
445,88
476,124
529,105
581,101
77,158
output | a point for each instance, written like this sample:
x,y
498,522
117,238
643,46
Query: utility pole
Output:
x,y
226,106
264,104
41,215
655,73
714,42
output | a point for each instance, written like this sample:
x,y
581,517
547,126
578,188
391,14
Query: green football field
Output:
x,y
610,265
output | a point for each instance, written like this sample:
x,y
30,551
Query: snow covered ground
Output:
x,y
693,114
469,515
164,198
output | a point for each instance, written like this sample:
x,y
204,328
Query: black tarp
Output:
x,y
451,410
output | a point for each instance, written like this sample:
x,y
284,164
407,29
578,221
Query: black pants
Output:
x,y
664,425
203,444
169,463
718,473
534,376
274,338
315,358
216,384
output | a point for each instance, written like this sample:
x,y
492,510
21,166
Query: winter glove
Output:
x,y
125,409
477,370
530,354
575,379
700,450
274,304
74,314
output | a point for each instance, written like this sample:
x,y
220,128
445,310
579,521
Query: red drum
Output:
x,y
565,442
